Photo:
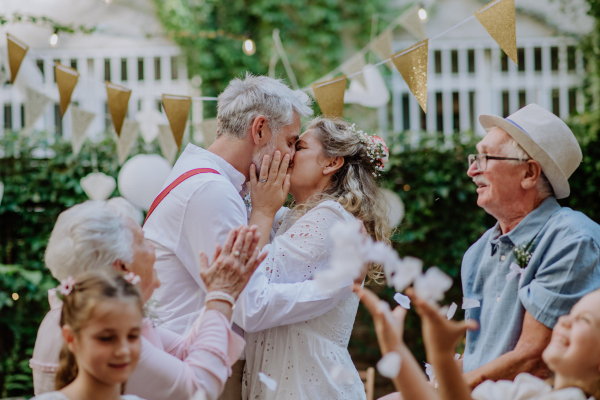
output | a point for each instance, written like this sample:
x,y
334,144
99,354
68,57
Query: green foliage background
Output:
x,y
441,220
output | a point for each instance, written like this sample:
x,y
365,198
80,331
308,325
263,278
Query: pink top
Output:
x,y
170,367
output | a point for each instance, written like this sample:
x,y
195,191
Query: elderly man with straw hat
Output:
x,y
539,258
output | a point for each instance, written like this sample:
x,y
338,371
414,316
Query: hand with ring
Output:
x,y
269,190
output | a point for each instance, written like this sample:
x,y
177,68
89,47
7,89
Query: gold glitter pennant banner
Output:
x,y
412,65
16,54
498,18
66,79
118,100
177,109
330,96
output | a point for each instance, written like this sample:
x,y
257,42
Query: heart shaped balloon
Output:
x,y
98,186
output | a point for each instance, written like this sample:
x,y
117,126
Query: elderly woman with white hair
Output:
x,y
102,235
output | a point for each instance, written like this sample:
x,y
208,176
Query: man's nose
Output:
x,y
292,154
473,170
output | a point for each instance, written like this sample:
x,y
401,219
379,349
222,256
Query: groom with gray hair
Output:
x,y
523,167
203,199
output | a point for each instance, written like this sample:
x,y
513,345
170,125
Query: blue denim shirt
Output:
x,y
564,266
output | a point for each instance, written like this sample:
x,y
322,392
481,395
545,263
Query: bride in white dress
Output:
x,y
332,179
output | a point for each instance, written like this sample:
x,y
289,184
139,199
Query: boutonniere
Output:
x,y
522,255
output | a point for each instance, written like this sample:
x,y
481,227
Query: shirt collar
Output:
x,y
529,226
236,177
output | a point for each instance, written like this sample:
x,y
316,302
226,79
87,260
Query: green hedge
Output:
x,y
442,220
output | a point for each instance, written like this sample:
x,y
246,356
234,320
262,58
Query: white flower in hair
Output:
x,y
66,286
377,150
132,278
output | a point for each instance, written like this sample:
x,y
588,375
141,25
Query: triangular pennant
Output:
x,y
354,65
167,144
382,46
35,106
118,100
498,18
330,96
149,121
66,79
16,54
177,109
209,131
413,24
412,65
98,186
80,122
127,139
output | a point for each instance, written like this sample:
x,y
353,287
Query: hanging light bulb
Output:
x,y
54,39
422,14
249,47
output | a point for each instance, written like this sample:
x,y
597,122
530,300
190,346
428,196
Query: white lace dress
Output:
x,y
60,396
300,357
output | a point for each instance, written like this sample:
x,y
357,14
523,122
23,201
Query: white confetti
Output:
x,y
470,303
342,375
403,300
457,357
430,372
268,381
409,269
389,365
451,311
432,285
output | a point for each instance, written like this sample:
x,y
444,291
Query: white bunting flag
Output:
x,y
382,46
166,141
35,106
149,121
411,21
353,65
98,186
125,142
80,122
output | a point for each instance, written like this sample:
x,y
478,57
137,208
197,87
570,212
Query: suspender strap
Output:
x,y
176,182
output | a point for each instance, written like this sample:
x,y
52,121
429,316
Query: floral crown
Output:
x,y
377,150
66,285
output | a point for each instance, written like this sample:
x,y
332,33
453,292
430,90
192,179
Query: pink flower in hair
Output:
x,y
384,148
132,278
66,286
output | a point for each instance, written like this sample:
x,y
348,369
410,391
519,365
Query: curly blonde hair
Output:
x,y
353,185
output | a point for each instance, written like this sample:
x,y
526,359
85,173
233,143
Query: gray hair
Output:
x,y
514,150
245,99
89,236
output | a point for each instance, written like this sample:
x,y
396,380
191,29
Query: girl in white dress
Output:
x,y
332,179
102,326
573,355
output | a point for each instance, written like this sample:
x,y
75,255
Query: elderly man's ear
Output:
x,y
533,172
119,265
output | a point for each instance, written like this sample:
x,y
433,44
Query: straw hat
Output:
x,y
547,140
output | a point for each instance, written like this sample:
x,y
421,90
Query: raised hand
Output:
x,y
234,263
270,189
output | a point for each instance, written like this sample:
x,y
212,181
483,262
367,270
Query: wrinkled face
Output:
x,y
143,261
307,170
108,347
284,142
498,185
574,350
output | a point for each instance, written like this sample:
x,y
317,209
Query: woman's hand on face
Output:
x,y
234,263
440,335
389,326
270,190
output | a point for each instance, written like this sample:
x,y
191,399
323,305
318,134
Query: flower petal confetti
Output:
x,y
342,375
403,300
432,285
470,303
389,365
451,311
430,372
269,382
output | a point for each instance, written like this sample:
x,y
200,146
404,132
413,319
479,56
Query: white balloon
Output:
x,y
1,191
395,207
377,93
142,177
98,186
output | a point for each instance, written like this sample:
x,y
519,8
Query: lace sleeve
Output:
x,y
303,249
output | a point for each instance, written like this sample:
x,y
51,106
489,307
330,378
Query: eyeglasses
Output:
x,y
482,159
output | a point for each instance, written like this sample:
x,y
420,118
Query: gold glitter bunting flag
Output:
x,y
330,96
118,100
177,109
498,18
412,65
66,79
16,54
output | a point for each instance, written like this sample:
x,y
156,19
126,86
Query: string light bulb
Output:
x,y
15,296
422,14
54,39
249,47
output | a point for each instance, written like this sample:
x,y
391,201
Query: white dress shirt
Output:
x,y
194,217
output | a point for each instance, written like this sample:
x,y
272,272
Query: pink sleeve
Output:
x,y
201,359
